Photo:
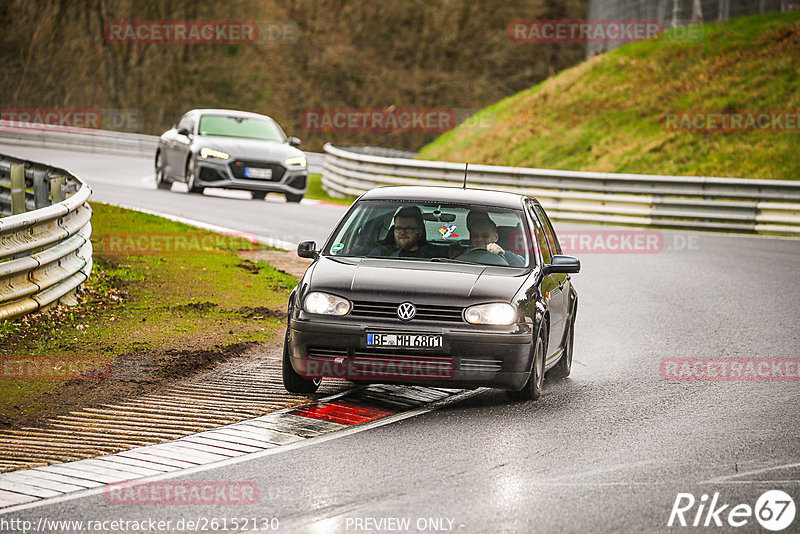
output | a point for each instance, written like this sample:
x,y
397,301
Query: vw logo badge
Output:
x,y
406,311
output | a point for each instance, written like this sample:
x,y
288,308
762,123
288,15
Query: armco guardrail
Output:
x,y
99,141
689,202
64,138
45,253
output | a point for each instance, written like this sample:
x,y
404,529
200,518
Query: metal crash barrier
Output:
x,y
45,251
685,202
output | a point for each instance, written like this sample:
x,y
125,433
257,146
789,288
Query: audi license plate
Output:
x,y
406,341
255,172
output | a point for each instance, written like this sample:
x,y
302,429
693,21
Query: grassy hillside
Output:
x,y
609,114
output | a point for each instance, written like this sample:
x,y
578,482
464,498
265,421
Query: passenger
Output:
x,y
408,239
483,233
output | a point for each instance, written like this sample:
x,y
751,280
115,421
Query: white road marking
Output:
x,y
752,472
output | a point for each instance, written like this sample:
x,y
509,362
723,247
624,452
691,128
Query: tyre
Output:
x,y
532,389
564,365
292,381
259,195
190,178
161,179
293,198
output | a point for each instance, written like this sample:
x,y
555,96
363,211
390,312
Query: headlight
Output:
x,y
211,153
498,313
299,161
325,304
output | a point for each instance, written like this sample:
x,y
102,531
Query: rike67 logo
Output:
x,y
774,510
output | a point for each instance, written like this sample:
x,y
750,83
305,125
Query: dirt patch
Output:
x,y
196,306
249,266
261,312
129,375
286,262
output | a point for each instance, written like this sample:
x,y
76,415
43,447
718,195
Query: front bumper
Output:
x,y
468,359
212,172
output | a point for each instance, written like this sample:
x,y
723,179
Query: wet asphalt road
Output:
x,y
607,450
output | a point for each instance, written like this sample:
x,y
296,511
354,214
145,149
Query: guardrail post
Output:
x,y
55,188
17,176
41,189
67,190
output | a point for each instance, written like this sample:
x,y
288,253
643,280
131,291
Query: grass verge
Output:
x,y
316,192
164,301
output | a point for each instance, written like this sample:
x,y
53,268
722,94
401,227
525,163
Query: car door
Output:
x,y
552,283
183,144
177,146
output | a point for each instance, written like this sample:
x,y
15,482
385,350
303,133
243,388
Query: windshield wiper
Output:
x,y
449,260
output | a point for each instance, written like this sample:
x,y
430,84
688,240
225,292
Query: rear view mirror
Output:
x,y
439,217
184,131
307,249
294,141
563,264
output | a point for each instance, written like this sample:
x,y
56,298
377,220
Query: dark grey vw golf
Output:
x,y
437,286
233,150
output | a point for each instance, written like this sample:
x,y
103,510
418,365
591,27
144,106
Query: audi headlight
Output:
x,y
299,161
325,304
498,313
206,153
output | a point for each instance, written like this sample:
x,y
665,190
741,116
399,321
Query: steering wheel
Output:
x,y
481,255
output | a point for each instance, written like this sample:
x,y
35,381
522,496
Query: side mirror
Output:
x,y
184,131
308,249
294,141
563,264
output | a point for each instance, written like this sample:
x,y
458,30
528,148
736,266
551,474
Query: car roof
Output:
x,y
484,197
229,112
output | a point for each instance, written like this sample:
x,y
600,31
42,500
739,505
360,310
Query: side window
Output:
x,y
541,239
555,246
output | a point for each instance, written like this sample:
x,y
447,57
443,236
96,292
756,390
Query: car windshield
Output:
x,y
434,231
248,128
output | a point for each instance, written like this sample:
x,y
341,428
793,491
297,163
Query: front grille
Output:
x,y
388,310
238,166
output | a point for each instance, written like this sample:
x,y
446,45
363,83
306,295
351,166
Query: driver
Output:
x,y
409,240
483,233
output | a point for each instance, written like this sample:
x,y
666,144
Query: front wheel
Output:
x,y
292,381
564,365
533,387
161,178
191,177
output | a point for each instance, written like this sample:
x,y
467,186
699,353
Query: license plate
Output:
x,y
406,341
255,172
